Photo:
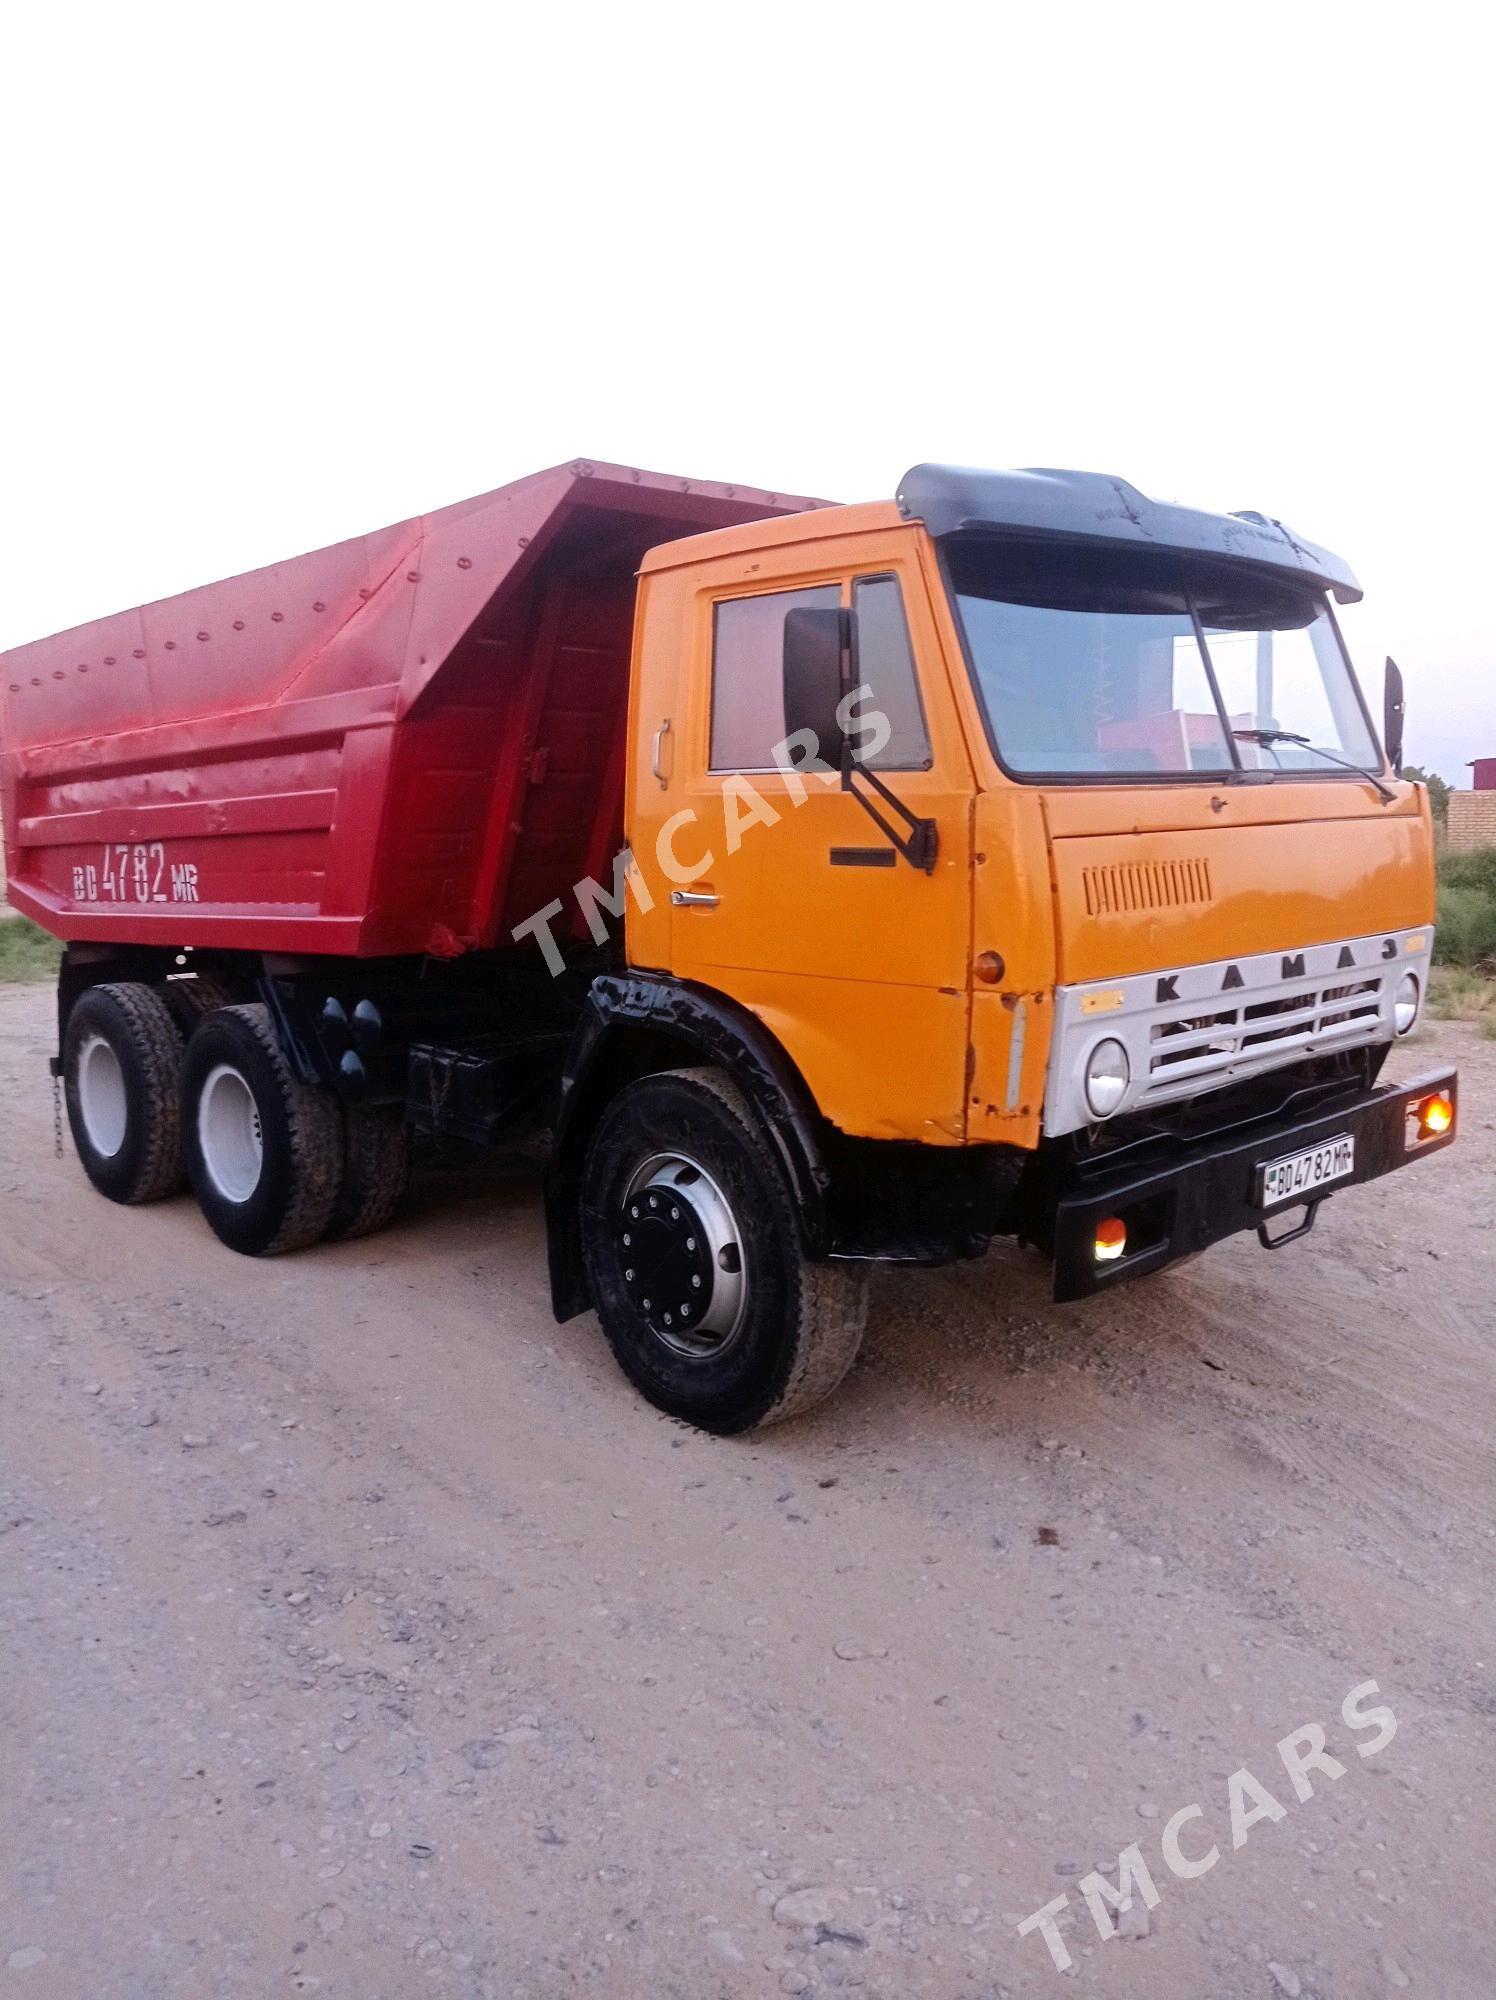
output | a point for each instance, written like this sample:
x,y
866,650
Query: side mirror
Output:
x,y
1393,708
816,643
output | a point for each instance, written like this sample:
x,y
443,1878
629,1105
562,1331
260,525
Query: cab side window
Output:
x,y
885,663
748,674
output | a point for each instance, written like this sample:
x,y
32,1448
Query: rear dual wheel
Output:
x,y
264,1150
376,1168
120,1058
278,1164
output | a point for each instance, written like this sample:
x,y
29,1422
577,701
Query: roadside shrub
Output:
x,y
1467,910
26,951
1458,993
1470,871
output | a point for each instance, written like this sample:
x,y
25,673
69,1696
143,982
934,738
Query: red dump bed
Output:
x,y
404,743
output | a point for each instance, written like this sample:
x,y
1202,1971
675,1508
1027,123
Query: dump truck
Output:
x,y
826,885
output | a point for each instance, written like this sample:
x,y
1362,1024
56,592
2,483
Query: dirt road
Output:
x,y
365,1635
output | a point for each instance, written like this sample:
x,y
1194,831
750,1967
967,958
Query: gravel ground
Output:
x,y
365,1635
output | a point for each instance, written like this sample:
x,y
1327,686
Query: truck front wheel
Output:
x,y
120,1057
264,1150
693,1254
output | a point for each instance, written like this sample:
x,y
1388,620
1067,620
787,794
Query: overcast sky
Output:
x,y
276,275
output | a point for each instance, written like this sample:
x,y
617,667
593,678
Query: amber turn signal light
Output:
x,y
1430,1117
1436,1114
1111,1239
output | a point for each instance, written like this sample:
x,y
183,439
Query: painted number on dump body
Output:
x,y
135,871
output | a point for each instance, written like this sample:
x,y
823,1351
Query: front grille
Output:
x,y
1193,1044
1118,888
1208,1026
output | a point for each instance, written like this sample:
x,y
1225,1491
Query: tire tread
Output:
x,y
833,1296
316,1138
376,1167
157,1046
806,1339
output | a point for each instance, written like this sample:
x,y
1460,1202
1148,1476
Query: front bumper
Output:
x,y
1207,1189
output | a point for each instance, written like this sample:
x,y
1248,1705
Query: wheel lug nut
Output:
x,y
696,1284
675,1215
690,1242
628,1277
627,1239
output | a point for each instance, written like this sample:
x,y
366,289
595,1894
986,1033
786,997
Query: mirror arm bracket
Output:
x,y
921,843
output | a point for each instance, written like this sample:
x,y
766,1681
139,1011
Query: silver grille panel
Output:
x,y
1205,1026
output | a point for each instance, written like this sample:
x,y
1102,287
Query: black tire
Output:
x,y
121,1054
787,1329
270,1182
376,1167
200,995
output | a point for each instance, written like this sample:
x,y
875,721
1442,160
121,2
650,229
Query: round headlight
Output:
x,y
1405,1002
1108,1074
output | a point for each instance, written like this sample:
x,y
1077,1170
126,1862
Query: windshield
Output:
x,y
1138,663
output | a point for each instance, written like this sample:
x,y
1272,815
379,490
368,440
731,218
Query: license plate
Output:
x,y
1300,1175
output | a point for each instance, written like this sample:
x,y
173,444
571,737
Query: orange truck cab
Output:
x,y
1016,857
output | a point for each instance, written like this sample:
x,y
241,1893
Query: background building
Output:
x,y
1472,814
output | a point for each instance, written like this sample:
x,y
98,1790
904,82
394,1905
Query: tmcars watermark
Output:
x,y
796,758
1248,1801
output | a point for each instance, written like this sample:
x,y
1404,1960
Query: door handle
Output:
x,y
694,899
654,756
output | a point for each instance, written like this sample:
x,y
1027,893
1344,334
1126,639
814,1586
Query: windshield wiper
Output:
x,y
1271,736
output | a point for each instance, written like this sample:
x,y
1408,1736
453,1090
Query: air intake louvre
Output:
x,y
1118,888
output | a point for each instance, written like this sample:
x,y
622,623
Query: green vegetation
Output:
x,y
1467,911
26,951
1457,994
1463,987
1438,791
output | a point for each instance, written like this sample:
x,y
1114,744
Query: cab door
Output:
x,y
785,894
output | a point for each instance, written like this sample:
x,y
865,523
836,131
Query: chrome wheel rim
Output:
x,y
680,1250
229,1135
102,1102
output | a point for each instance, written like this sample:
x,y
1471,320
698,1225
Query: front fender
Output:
x,y
633,1025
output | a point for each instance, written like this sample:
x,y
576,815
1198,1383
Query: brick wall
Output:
x,y
1472,821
